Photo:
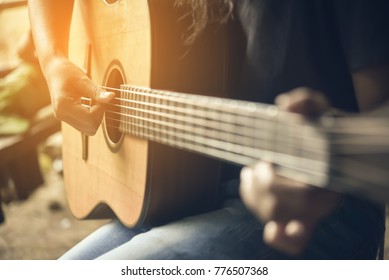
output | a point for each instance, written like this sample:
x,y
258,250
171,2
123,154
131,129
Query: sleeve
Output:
x,y
363,31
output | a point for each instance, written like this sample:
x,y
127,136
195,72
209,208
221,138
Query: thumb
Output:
x,y
101,95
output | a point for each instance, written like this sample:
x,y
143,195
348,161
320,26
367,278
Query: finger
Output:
x,y
253,189
291,237
278,197
100,95
304,101
85,87
246,190
269,196
85,119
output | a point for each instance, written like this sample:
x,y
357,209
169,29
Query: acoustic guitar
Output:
x,y
158,153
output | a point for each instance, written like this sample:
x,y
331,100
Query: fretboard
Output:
x,y
237,131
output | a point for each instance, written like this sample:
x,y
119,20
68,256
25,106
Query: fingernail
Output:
x,y
263,172
105,93
270,232
246,174
283,101
294,228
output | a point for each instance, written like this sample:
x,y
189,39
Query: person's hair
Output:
x,y
204,12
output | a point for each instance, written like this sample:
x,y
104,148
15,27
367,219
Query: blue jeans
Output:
x,y
353,231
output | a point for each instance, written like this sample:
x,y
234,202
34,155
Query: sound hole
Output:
x,y
110,1
112,114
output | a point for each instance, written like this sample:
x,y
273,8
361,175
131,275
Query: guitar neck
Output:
x,y
236,131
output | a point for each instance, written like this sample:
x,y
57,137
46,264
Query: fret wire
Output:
x,y
183,127
207,115
203,144
350,124
204,140
224,135
205,102
203,126
190,130
198,121
239,130
196,112
135,110
128,109
227,104
345,125
243,119
233,113
369,127
344,144
230,137
199,113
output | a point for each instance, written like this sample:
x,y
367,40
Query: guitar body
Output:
x,y
111,174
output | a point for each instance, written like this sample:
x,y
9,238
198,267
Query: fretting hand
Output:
x,y
289,209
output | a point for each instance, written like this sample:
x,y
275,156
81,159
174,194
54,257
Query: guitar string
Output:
x,y
237,154
213,120
309,173
343,128
247,156
219,149
206,139
343,142
201,125
229,139
148,104
206,142
348,125
361,126
226,144
245,137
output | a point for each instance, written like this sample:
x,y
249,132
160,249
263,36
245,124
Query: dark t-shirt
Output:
x,y
311,43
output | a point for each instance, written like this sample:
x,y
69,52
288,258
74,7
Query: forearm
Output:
x,y
50,24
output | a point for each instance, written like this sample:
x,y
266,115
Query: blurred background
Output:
x,y
13,23
36,223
